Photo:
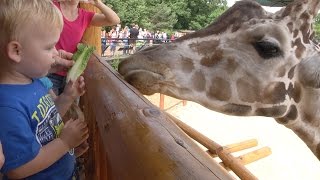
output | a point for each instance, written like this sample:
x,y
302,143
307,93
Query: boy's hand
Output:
x,y
74,133
1,156
63,61
80,150
75,89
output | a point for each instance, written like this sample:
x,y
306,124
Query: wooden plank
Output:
x,y
237,146
252,156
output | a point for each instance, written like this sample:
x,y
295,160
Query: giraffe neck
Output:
x,y
304,121
300,15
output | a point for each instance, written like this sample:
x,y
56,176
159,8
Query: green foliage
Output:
x,y
168,14
115,62
161,17
81,58
317,27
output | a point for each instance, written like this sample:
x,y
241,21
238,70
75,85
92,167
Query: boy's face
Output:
x,y
38,50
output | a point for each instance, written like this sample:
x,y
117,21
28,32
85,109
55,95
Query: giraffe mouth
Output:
x,y
147,82
145,73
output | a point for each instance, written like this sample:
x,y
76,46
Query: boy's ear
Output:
x,y
14,51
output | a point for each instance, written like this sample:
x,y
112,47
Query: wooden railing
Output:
x,y
133,139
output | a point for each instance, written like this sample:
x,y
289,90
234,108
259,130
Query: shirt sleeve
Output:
x,y
46,82
88,16
18,141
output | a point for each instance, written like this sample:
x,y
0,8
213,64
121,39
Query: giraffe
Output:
x,y
248,62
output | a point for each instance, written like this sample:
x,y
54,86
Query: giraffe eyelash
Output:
x,y
267,49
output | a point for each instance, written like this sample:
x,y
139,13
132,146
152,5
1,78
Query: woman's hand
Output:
x,y
93,2
62,62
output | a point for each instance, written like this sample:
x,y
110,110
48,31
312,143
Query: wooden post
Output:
x,y
161,103
184,102
92,35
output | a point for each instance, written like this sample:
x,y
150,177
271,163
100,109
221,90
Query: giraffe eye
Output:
x,y
267,49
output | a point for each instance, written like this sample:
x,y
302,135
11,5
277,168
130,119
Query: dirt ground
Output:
x,y
290,159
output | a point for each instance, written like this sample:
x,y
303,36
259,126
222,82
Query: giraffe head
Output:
x,y
247,62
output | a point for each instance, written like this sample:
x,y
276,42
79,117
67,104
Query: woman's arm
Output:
x,y
107,18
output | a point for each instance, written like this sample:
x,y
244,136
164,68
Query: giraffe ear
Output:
x,y
309,71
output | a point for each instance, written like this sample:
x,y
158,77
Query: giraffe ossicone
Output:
x,y
247,63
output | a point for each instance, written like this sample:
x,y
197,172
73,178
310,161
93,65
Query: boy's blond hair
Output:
x,y
15,15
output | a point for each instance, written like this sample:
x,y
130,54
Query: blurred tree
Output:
x,y
317,28
168,14
161,17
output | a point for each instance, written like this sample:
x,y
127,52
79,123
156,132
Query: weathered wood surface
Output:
x,y
140,142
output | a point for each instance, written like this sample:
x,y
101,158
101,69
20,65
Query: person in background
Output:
x,y
36,143
125,36
76,21
134,32
113,34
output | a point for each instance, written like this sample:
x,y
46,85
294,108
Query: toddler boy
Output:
x,y
35,142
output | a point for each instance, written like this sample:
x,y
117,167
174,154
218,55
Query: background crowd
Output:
x,y
128,39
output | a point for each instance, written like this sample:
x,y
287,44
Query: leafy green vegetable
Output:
x,y
81,58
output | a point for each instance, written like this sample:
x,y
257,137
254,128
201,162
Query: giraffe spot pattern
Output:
x,y
300,48
291,72
318,151
187,65
290,116
286,12
274,93
235,27
232,65
298,7
213,60
198,81
236,109
247,89
274,111
281,72
295,92
205,47
220,89
305,31
310,119
207,61
290,27
295,33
